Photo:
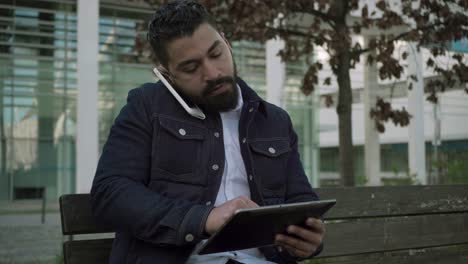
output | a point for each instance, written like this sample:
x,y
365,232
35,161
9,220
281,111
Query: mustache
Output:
x,y
211,85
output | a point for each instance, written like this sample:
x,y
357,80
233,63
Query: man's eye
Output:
x,y
190,69
215,54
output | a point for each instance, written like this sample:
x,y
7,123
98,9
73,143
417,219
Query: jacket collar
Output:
x,y
250,97
248,94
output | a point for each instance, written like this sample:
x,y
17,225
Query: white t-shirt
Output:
x,y
233,184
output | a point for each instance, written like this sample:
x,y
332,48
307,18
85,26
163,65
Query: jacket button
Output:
x,y
216,134
244,140
182,132
189,238
215,167
271,150
208,203
251,109
250,177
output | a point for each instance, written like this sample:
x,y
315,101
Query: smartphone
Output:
x,y
193,111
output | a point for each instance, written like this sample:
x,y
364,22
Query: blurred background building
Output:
x,y
39,101
42,117
38,89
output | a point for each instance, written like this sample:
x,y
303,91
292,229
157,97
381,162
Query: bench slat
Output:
x,y
439,255
95,251
351,202
77,217
395,233
398,200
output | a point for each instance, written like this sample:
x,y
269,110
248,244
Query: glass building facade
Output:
x,y
37,97
38,89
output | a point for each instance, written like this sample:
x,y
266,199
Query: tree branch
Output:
x,y
300,34
398,37
324,16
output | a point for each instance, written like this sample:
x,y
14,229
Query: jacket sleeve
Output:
x,y
120,196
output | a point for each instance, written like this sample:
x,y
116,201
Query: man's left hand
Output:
x,y
302,242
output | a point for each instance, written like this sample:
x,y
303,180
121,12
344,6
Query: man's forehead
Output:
x,y
200,42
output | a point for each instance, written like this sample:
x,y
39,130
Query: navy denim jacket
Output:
x,y
160,171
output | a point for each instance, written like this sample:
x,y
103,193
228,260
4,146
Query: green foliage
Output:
x,y
456,168
361,180
398,181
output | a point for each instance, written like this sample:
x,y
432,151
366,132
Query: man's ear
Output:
x,y
162,70
165,72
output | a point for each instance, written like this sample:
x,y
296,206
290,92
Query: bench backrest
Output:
x,y
404,224
77,219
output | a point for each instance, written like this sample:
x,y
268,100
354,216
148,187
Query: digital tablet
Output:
x,y
256,227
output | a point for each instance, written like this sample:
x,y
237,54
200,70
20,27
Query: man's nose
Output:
x,y
210,71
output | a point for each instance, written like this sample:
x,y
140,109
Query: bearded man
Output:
x,y
167,179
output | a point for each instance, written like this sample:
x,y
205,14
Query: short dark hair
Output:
x,y
173,20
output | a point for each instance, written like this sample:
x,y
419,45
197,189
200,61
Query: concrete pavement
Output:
x,y
24,239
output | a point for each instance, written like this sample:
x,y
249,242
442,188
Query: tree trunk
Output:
x,y
345,97
344,122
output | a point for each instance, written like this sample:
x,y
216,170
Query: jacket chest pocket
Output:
x,y
269,162
178,151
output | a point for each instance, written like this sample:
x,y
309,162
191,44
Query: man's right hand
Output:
x,y
219,215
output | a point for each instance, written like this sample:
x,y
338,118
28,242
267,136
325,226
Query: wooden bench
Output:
x,y
77,219
404,224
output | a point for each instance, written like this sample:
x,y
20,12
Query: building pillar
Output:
x,y
87,82
314,178
416,142
371,135
436,142
5,189
275,72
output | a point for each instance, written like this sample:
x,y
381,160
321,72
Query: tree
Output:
x,y
306,24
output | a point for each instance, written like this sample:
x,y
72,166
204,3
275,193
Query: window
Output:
x,y
37,95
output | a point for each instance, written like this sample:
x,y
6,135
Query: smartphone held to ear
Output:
x,y
193,111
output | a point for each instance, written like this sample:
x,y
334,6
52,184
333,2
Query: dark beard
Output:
x,y
218,103
222,102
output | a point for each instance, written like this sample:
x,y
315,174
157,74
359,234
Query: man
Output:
x,y
167,179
